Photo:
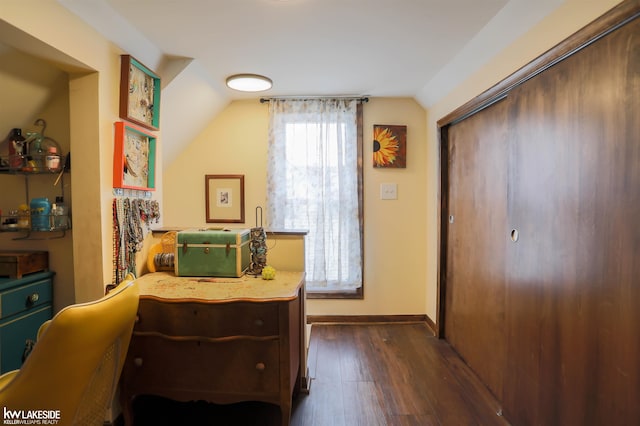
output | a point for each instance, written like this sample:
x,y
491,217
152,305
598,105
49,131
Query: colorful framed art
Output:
x,y
389,146
134,159
224,198
139,93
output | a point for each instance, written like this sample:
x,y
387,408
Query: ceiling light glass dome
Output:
x,y
249,82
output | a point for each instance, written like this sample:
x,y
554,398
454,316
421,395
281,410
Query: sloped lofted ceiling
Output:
x,y
378,48
23,76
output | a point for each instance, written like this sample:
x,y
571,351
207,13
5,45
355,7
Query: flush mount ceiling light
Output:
x,y
249,82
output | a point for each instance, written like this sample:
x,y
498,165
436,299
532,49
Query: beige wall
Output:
x,y
395,236
46,30
44,94
401,257
400,236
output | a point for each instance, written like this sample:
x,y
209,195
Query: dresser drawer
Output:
x,y
25,298
209,320
14,334
227,371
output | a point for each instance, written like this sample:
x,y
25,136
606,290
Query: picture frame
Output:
x,y
389,146
134,157
224,198
139,93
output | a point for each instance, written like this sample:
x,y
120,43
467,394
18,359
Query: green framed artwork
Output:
x,y
134,159
139,93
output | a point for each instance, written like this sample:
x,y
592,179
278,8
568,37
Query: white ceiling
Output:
x,y
378,48
315,47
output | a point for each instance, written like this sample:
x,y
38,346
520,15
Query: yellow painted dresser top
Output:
x,y
165,285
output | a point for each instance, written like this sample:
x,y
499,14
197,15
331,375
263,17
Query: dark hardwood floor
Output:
x,y
364,374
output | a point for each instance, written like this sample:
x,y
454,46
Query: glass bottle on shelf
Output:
x,y
36,153
9,221
13,150
24,219
59,215
52,154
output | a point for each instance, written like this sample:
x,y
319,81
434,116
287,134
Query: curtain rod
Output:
x,y
305,98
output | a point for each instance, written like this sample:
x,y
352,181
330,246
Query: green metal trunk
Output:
x,y
212,253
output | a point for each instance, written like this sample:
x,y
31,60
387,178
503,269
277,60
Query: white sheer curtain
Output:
x,y
312,184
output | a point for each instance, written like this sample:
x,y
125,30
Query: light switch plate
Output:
x,y
388,191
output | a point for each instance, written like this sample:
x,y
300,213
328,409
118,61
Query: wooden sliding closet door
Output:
x,y
478,158
573,277
542,239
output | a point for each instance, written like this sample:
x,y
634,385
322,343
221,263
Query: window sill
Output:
x,y
337,294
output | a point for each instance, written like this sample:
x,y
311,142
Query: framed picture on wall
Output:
x,y
139,93
134,158
389,146
224,198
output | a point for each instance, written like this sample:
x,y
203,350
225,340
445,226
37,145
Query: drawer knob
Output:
x,y
259,322
32,299
260,366
137,362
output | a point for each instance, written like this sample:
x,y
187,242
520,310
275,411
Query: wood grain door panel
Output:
x,y
478,160
573,299
551,322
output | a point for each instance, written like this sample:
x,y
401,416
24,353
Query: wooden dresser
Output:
x,y
222,340
25,303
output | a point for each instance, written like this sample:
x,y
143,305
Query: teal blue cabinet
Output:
x,y
25,303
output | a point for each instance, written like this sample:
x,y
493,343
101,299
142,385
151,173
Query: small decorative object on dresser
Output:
x,y
16,263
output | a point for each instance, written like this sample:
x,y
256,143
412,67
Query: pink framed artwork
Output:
x,y
134,157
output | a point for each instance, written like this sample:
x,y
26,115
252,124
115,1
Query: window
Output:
x,y
314,182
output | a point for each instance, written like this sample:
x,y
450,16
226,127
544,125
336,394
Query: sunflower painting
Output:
x,y
389,146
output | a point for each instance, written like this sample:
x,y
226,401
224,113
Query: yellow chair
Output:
x,y
75,365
